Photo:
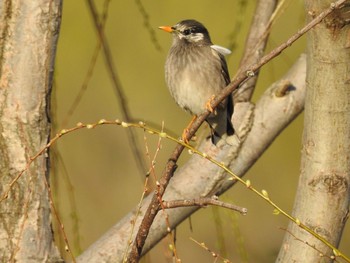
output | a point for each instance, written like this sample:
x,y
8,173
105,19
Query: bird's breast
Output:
x,y
193,78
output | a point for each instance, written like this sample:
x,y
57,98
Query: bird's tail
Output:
x,y
228,137
221,126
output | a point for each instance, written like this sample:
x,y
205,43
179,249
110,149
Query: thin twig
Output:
x,y
89,73
170,235
171,166
255,44
203,202
118,88
60,224
70,196
240,18
332,257
214,254
151,172
136,215
147,24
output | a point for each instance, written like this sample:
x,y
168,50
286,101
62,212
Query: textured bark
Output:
x,y
28,38
323,195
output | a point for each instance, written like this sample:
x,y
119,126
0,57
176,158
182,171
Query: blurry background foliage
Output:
x,y
106,182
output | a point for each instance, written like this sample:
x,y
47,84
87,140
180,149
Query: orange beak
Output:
x,y
166,28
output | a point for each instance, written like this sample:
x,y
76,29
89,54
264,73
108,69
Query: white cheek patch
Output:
x,y
196,37
192,37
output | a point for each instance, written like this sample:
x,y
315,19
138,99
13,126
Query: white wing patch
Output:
x,y
222,50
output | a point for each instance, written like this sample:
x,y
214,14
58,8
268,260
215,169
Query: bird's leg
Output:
x,y
187,129
208,105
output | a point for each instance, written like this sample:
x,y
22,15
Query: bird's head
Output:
x,y
189,31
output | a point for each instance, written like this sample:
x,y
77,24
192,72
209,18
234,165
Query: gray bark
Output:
x,y
28,38
322,200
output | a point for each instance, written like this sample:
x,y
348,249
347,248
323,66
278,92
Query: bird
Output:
x,y
195,72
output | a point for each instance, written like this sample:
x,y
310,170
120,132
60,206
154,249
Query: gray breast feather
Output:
x,y
195,78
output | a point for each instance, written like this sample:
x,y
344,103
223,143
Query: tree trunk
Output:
x,y
29,32
322,199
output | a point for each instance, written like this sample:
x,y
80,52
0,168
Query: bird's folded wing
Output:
x,y
222,50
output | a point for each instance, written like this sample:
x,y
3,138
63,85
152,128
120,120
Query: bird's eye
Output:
x,y
187,32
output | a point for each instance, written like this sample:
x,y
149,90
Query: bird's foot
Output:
x,y
208,104
184,135
187,130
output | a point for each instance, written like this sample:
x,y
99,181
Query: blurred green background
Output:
x,y
99,164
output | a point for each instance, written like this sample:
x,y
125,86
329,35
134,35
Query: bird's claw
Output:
x,y
208,104
187,130
184,135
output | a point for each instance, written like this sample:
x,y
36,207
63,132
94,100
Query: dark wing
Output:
x,y
224,71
